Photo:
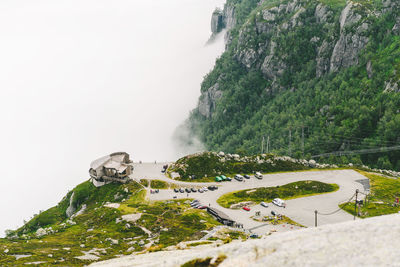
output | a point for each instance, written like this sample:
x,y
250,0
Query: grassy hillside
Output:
x,y
101,231
382,199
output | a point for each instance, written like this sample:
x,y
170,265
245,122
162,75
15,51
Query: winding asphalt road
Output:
x,y
300,210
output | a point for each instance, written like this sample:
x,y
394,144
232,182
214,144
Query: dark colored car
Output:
x,y
176,190
188,190
212,187
182,190
157,191
246,176
194,190
202,207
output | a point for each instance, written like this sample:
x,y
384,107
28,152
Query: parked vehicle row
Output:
x,y
279,202
238,177
276,201
222,178
197,205
155,191
194,190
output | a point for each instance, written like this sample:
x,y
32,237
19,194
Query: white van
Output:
x,y
239,177
258,175
279,202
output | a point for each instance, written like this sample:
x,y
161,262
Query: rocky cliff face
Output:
x,y
336,37
286,60
208,100
217,21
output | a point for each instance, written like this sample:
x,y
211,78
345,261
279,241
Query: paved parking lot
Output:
x,y
300,210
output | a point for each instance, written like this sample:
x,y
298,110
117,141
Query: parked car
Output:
x,y
239,177
157,190
253,236
164,168
197,205
176,190
218,179
212,187
175,197
201,190
228,179
188,190
279,202
202,207
223,177
182,190
246,208
264,204
258,175
246,176
193,190
273,213
205,189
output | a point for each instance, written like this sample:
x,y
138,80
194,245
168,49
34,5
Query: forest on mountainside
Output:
x,y
305,77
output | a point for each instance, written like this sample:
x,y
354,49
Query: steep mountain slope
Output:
x,y
322,71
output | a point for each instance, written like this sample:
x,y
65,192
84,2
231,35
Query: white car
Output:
x,y
279,202
205,189
239,177
258,175
264,204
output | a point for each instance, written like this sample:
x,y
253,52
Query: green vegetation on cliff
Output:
x,y
306,68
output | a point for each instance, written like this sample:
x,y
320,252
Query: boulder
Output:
x,y
40,232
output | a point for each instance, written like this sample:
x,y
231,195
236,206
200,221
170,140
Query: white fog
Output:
x,y
81,79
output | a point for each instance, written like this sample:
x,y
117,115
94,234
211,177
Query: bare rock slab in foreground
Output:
x,y
368,242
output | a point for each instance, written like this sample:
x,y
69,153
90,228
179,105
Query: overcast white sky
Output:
x,y
83,78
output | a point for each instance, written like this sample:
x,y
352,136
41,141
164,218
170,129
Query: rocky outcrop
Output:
x,y
71,208
323,58
392,86
208,99
217,21
370,71
322,13
223,19
351,42
272,67
396,27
